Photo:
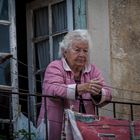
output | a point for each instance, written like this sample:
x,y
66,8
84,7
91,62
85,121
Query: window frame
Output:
x,y
31,40
13,46
13,61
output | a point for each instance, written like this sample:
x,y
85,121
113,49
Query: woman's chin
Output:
x,y
81,65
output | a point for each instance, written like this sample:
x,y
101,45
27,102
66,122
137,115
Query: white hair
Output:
x,y
70,37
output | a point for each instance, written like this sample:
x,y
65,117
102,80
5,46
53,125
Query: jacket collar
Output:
x,y
67,68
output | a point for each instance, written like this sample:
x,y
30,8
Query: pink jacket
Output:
x,y
59,82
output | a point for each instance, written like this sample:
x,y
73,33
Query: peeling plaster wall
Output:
x,y
125,50
115,29
98,25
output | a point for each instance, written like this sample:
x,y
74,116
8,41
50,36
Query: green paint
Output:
x,y
80,18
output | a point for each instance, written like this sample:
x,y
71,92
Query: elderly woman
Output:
x,y
71,78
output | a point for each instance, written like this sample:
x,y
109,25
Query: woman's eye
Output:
x,y
77,50
85,51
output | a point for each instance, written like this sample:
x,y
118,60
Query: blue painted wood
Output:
x,y
80,16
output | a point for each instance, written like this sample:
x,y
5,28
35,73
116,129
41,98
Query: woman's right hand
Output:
x,y
94,87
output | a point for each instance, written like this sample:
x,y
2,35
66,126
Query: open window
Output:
x,y
4,43
8,61
47,23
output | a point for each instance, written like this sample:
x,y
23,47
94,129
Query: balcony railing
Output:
x,y
10,121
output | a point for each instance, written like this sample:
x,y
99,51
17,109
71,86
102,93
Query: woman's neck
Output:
x,y
77,75
76,69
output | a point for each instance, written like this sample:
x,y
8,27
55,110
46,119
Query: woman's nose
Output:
x,y
82,52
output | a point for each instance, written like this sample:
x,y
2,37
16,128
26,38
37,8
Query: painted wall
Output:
x,y
98,25
115,29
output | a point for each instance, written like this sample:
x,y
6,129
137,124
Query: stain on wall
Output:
x,y
125,51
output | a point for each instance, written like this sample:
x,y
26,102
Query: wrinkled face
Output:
x,y
77,54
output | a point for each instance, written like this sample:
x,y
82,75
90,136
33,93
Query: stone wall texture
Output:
x,y
124,18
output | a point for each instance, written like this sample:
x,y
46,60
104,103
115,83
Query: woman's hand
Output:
x,y
94,87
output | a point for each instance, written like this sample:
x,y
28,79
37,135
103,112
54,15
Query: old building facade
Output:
x,y
31,30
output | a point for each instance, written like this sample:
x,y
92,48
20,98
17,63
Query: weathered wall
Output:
x,y
125,50
115,29
98,25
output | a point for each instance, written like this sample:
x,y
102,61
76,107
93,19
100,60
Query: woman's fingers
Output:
x,y
99,82
96,87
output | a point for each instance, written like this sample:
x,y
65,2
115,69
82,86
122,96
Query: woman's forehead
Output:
x,y
79,43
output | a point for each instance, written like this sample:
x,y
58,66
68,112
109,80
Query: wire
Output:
x,y
127,90
57,84
26,95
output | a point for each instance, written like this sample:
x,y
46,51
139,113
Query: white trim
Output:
x,y
5,22
14,65
71,91
5,88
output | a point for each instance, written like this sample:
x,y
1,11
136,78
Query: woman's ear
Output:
x,y
65,54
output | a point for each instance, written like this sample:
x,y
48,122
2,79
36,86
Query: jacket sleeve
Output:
x,y
54,83
105,94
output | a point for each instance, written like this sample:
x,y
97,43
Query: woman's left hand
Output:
x,y
96,86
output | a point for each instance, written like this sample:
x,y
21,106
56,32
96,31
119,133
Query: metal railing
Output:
x,y
28,96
